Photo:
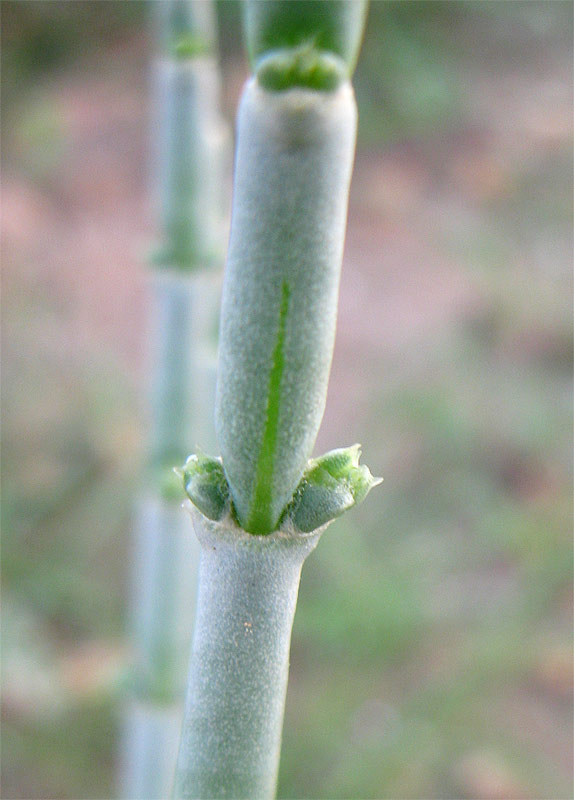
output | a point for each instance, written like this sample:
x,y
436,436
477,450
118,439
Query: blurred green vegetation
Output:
x,y
432,644
423,624
42,35
407,81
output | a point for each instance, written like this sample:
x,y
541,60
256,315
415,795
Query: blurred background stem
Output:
x,y
189,143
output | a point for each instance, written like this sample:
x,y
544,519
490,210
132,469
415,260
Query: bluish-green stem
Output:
x,y
164,586
247,595
181,388
294,157
165,556
261,507
239,667
183,339
189,163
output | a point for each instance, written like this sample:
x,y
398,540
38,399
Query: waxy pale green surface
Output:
x,y
295,152
295,149
181,362
190,144
189,141
238,675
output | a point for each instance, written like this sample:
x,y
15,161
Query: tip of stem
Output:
x,y
301,67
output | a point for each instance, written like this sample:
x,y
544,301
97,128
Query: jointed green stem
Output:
x,y
295,146
188,139
294,158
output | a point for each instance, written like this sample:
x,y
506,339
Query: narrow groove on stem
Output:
x,y
260,520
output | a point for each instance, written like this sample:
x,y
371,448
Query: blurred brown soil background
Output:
x,y
432,654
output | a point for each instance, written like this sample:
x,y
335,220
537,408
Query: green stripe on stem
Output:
x,y
261,519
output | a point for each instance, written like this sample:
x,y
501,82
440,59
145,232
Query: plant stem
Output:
x,y
182,364
295,147
190,140
166,556
238,677
294,158
189,143
164,584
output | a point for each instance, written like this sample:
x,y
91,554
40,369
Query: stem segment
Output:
x,y
189,141
294,158
238,677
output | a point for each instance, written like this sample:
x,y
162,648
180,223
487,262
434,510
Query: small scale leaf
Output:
x,y
330,486
316,505
302,66
362,482
206,485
